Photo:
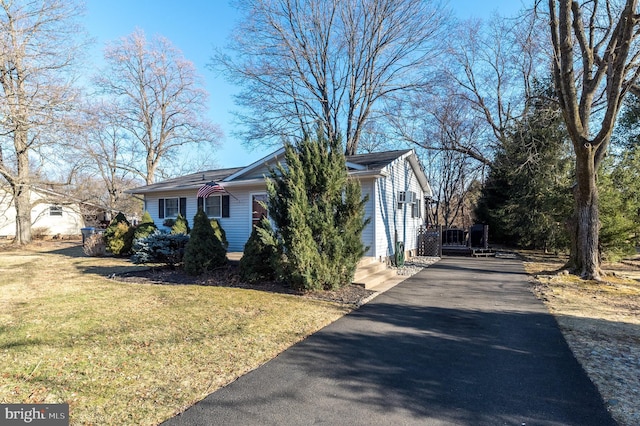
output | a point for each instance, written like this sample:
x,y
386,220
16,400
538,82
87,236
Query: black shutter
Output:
x,y
161,208
183,207
200,203
225,206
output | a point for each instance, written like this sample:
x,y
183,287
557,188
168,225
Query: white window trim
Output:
x,y
167,216
204,206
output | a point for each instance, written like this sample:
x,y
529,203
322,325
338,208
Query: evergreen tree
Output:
x,y
145,228
619,181
318,213
619,222
118,236
181,226
220,234
527,197
204,251
120,218
146,218
261,254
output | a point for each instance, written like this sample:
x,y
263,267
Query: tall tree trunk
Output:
x,y
595,63
21,188
22,203
585,223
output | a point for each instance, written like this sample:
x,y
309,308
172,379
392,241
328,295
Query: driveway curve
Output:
x,y
463,342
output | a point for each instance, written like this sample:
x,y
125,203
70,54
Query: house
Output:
x,y
394,180
52,214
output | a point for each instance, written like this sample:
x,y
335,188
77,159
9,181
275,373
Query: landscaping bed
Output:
x,y
228,276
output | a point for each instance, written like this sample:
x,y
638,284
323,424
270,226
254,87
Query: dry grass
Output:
x,y
601,323
124,353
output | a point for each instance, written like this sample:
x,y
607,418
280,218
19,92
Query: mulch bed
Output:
x,y
228,276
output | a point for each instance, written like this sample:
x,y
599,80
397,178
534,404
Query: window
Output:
x,y
416,210
411,197
213,206
402,197
55,210
170,207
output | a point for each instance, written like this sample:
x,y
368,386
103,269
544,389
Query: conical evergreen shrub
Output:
x,y
145,228
261,254
181,226
118,236
204,251
220,234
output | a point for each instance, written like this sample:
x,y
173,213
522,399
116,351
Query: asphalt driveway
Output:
x,y
463,342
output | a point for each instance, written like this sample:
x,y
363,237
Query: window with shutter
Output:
x,y
213,206
170,207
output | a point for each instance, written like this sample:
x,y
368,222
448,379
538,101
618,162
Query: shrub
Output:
x,y
94,245
146,218
145,228
160,247
318,214
119,238
204,251
40,232
120,218
181,226
261,254
219,232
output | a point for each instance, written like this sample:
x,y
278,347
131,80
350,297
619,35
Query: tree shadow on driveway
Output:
x,y
399,364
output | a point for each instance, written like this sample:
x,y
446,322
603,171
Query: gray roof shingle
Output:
x,y
375,161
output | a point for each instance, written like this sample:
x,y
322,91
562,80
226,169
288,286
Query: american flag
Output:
x,y
210,188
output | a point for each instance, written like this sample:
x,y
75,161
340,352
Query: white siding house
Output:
x,y
51,214
394,180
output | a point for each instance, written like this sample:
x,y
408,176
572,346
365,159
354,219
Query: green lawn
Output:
x,y
122,353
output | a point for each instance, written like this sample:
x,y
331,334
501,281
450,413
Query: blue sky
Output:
x,y
196,27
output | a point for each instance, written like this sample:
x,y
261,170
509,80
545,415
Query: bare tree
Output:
x,y
108,155
161,96
375,138
441,121
595,64
485,83
327,63
447,133
38,46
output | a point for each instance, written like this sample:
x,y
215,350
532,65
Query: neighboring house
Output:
x,y
52,214
394,180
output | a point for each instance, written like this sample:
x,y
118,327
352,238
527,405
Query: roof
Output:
x,y
376,160
191,181
360,164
